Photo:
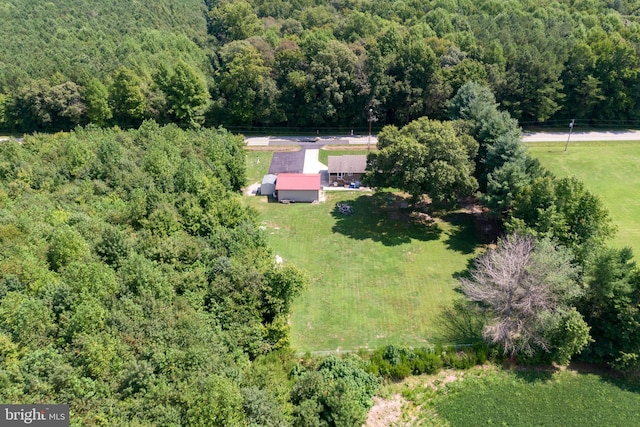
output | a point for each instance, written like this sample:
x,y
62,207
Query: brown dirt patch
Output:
x,y
385,412
252,189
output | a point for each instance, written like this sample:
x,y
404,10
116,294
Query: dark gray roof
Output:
x,y
347,164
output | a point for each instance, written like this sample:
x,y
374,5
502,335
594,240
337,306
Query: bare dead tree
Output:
x,y
522,284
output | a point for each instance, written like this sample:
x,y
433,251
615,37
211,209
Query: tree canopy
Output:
x,y
314,64
424,157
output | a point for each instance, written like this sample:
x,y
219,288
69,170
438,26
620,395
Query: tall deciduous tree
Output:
x,y
424,157
331,83
127,99
97,98
234,20
416,83
584,91
290,65
615,72
244,83
41,106
186,95
67,245
526,287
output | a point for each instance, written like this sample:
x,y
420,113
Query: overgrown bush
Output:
x,y
396,363
426,362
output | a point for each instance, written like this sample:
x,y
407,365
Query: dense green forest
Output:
x,y
313,63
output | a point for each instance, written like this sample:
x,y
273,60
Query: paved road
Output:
x,y
621,135
311,141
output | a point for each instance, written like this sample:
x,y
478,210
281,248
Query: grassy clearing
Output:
x,y
258,165
376,277
609,169
492,396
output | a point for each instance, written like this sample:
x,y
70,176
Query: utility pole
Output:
x,y
370,120
573,122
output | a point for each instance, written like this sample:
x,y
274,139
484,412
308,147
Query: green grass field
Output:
x,y
609,169
531,398
257,165
376,277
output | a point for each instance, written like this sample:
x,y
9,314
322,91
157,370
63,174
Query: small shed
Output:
x,y
345,170
268,186
298,187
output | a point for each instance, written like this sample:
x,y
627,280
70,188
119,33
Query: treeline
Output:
x,y
567,294
136,287
313,63
551,290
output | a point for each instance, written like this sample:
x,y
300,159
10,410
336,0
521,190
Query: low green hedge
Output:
x,y
397,362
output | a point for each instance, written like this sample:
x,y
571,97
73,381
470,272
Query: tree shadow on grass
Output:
x,y
535,374
462,236
459,323
625,381
377,217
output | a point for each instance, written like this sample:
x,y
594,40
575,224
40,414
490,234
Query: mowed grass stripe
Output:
x,y
375,279
609,169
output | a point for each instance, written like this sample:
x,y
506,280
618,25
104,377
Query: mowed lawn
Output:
x,y
376,277
609,169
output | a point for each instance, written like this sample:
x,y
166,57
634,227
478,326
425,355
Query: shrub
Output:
x,y
396,363
400,371
426,362
481,349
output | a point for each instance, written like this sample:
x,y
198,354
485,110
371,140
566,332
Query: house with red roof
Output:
x,y
298,187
